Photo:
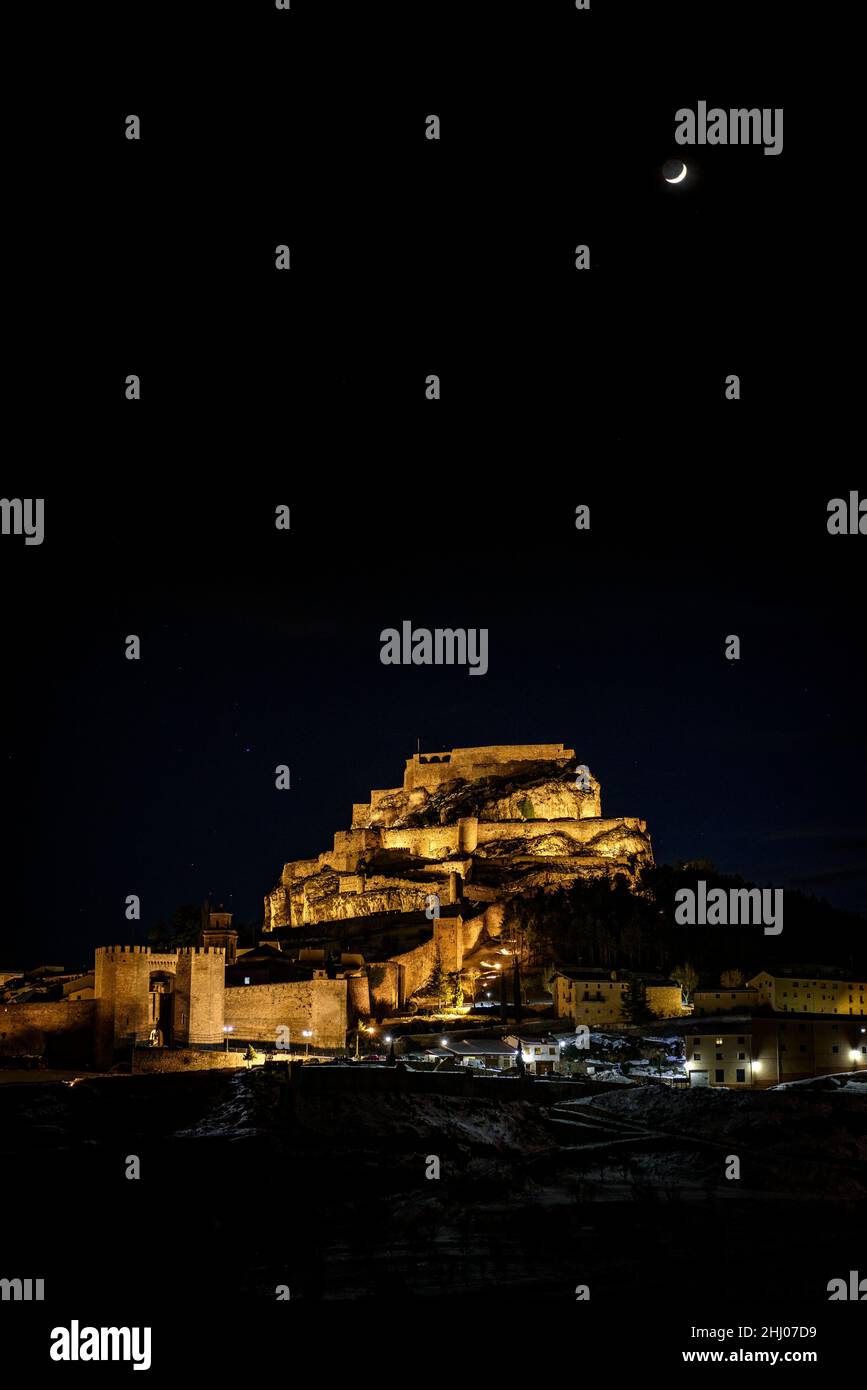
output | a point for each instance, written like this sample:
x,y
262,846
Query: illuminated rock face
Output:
x,y
481,823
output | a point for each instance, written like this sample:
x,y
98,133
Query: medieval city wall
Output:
x,y
147,1060
61,1031
255,1012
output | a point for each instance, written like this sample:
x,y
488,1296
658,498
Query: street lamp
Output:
x,y
306,1033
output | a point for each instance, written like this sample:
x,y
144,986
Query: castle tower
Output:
x,y
122,990
218,931
199,996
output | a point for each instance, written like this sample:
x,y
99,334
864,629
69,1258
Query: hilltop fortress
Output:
x,y
470,824
418,885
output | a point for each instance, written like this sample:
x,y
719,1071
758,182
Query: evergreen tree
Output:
x,y
438,980
634,1002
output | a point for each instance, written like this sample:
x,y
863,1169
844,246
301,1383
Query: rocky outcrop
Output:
x,y
479,822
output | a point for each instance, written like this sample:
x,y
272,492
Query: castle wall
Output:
x,y
418,967
384,978
580,831
418,964
256,1011
147,1060
449,936
61,1031
358,998
495,760
431,842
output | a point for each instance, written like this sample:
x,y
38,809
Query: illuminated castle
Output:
x,y
470,824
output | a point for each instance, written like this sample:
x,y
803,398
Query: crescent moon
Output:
x,y
680,177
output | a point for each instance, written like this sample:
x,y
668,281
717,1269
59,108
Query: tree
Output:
x,y
634,1002
687,977
182,928
438,979
731,979
456,989
516,989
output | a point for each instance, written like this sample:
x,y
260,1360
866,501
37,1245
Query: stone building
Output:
x,y
595,997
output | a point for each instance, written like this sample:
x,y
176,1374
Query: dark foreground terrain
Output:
x,y
249,1182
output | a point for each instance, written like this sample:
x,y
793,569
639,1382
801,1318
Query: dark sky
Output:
x,y
605,387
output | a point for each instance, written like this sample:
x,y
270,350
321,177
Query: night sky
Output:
x,y
559,387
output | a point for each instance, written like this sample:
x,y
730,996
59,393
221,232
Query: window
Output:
x,y
720,1074
740,1074
246,979
696,1056
696,1042
742,1056
835,1048
719,1056
740,1040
